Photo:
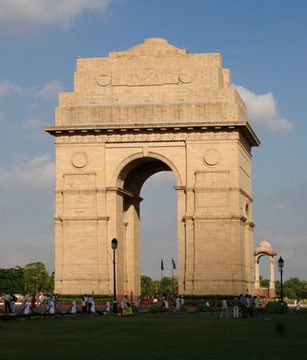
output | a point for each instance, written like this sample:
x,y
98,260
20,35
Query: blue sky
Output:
x,y
262,43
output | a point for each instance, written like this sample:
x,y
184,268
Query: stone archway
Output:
x,y
153,107
131,178
264,248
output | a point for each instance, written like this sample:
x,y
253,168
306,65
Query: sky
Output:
x,y
263,45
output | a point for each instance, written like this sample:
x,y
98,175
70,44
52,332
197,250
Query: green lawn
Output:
x,y
155,336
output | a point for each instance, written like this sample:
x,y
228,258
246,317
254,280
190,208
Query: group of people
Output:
x,y
125,306
243,306
47,300
88,304
179,303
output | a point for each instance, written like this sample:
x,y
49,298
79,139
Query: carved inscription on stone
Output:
x,y
144,77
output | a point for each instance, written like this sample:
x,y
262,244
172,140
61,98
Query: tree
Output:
x,y
37,278
155,287
169,286
264,283
146,286
293,288
12,280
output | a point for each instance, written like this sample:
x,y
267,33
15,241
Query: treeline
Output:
x,y
151,288
30,279
293,288
35,278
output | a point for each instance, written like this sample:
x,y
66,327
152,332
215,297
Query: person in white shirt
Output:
x,y
224,312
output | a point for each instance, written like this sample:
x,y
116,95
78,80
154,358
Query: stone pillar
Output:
x,y
272,275
257,275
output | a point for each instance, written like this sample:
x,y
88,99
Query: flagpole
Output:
x,y
172,279
162,268
173,268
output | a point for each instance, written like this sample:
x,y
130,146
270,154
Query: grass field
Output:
x,y
155,336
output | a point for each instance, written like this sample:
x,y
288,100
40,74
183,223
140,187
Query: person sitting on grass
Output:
x,y
165,306
126,306
298,306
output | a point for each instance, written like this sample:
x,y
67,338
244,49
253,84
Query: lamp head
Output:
x,y
281,263
114,243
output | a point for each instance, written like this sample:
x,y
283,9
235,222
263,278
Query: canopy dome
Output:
x,y
264,247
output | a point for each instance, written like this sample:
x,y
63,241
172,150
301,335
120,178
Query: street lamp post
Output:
x,y
33,300
114,243
280,269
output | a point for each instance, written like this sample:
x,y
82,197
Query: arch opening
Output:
x,y
159,233
264,249
131,180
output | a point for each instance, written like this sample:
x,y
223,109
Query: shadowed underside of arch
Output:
x,y
134,174
152,108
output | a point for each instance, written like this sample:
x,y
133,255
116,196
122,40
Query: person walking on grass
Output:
x,y
224,312
235,303
250,305
84,303
13,302
178,304
7,302
243,305
256,306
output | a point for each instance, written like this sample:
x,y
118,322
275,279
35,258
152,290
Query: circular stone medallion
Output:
x,y
79,160
104,79
186,76
211,157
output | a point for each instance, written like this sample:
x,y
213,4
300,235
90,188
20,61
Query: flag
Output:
x,y
174,264
162,266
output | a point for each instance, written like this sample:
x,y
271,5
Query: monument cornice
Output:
x,y
243,128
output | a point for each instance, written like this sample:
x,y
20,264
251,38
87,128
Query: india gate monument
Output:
x,y
154,107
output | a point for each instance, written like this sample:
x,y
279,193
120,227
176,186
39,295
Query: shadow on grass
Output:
x,y
154,336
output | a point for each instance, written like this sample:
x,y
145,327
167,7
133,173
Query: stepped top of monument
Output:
x,y
153,83
152,47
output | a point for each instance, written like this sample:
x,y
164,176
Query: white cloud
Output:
x,y
51,90
34,174
19,15
262,110
8,88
